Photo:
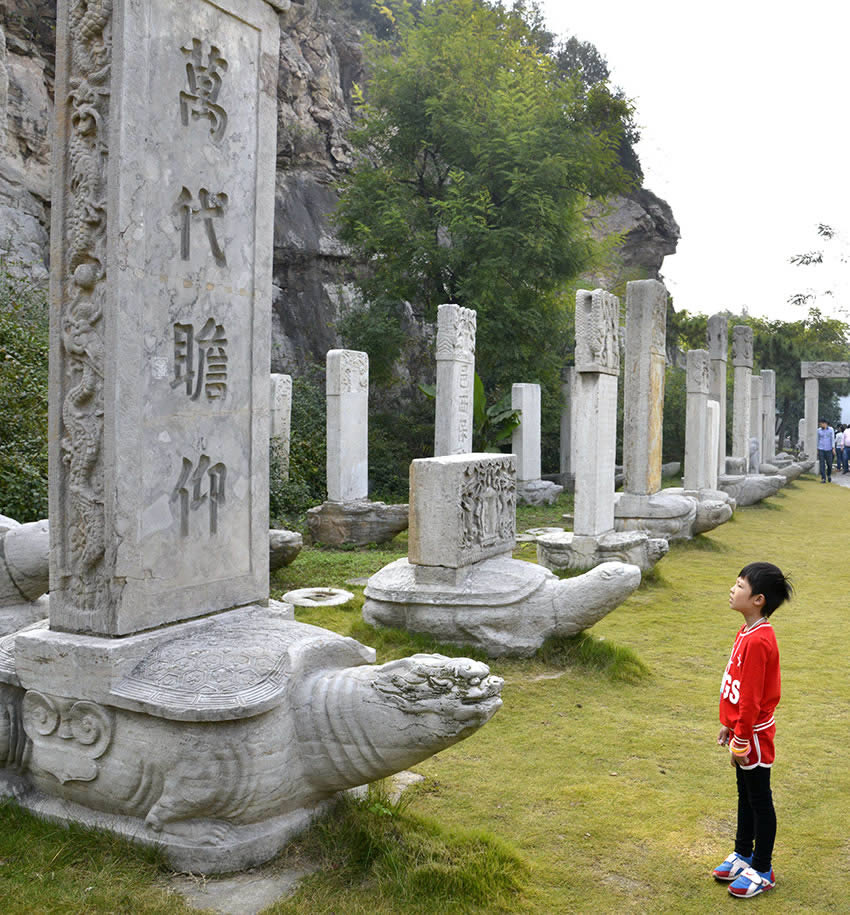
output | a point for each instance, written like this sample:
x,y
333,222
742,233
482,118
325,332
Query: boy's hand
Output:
x,y
724,736
739,760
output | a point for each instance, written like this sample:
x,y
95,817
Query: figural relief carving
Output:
x,y
488,505
353,372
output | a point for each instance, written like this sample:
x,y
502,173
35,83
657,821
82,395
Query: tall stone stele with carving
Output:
x,y
455,380
597,366
811,373
717,332
166,698
742,361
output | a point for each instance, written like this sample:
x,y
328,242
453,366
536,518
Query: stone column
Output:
x,y
525,442
768,393
696,419
160,322
756,425
811,416
347,386
710,473
280,416
596,371
646,313
718,347
567,464
455,380
742,361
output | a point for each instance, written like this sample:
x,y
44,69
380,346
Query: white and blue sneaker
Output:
x,y
731,867
752,882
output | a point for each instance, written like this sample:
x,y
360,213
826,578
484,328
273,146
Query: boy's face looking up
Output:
x,y
744,601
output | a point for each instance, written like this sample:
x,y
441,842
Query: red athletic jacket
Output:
x,y
750,692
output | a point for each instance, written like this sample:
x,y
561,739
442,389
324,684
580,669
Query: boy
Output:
x,y
748,695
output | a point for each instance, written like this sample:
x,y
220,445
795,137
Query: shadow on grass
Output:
x,y
591,652
766,505
404,861
700,544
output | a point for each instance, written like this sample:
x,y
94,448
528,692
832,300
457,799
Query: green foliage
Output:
x,y
476,161
675,402
307,483
23,398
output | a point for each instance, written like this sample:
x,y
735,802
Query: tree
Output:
x,y
476,160
833,252
781,346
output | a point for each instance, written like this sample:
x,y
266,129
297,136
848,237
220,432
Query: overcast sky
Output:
x,y
744,110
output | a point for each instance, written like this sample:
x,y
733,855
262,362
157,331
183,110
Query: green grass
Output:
x,y
598,787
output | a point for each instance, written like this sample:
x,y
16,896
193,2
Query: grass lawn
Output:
x,y
586,792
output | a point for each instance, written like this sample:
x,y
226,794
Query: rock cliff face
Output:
x,y
320,60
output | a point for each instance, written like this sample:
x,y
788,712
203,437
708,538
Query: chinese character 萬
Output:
x,y
204,85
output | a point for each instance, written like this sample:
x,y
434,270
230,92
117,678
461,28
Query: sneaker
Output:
x,y
731,867
752,882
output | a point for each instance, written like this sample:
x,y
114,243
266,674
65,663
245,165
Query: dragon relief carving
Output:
x,y
83,297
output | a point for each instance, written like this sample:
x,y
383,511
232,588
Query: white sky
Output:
x,y
744,109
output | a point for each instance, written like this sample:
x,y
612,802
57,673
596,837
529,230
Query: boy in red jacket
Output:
x,y
749,694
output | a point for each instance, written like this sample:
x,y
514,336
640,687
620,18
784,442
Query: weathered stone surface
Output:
x,y
260,699
284,546
538,492
696,419
646,310
718,346
567,437
768,391
504,606
670,469
462,509
24,565
559,550
280,415
752,488
659,514
317,597
347,383
358,523
595,407
456,329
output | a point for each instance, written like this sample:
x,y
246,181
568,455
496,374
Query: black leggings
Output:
x,y
756,816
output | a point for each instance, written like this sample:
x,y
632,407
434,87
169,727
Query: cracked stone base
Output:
x,y
566,550
356,523
239,848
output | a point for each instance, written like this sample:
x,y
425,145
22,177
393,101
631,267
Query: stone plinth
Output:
x,y
645,364
660,515
568,550
756,424
356,523
597,357
455,380
159,378
718,347
567,434
752,488
742,360
768,392
531,488
696,419
463,510
347,383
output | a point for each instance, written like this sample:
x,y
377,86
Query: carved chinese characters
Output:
x,y
455,379
160,266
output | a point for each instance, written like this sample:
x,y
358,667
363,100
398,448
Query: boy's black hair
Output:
x,y
766,579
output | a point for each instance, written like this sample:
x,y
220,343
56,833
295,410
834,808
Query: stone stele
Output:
x,y
166,698
459,582
531,488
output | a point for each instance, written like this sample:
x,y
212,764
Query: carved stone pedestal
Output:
x,y
566,550
358,523
747,490
714,507
537,492
24,573
659,514
219,739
